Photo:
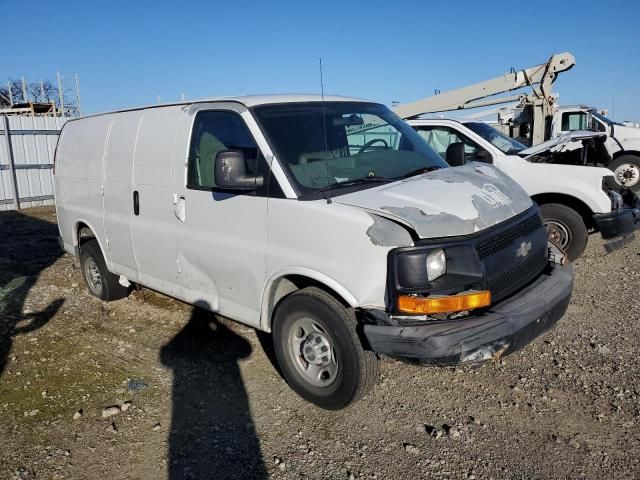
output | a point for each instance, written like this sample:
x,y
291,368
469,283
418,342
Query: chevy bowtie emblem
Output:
x,y
524,249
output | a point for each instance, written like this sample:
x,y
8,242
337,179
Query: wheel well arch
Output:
x,y
284,285
572,202
621,153
83,231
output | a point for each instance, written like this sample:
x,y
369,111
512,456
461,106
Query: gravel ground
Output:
x,y
147,387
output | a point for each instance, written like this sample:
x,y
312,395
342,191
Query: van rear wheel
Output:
x,y
318,349
566,228
100,281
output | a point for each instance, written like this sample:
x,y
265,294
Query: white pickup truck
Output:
x,y
573,199
622,145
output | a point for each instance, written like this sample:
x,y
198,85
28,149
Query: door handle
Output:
x,y
136,203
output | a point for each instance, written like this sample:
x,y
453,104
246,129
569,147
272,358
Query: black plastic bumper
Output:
x,y
615,224
506,327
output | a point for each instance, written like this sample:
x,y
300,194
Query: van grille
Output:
x,y
501,240
505,269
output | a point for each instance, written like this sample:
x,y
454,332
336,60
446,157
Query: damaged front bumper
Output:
x,y
503,329
618,226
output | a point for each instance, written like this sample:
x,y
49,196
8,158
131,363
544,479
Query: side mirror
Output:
x,y
230,172
455,154
483,156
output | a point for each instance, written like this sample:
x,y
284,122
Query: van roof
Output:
x,y
246,100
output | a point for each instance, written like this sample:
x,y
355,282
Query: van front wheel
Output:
x,y
100,281
318,349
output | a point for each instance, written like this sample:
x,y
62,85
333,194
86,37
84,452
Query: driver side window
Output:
x,y
214,132
439,138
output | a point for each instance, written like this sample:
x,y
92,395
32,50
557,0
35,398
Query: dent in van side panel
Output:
x,y
223,236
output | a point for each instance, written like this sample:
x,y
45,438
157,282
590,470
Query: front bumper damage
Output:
x,y
618,226
503,329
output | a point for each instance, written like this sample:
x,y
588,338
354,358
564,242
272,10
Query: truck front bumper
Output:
x,y
617,226
503,329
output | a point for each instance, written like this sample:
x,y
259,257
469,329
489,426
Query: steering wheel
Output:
x,y
364,147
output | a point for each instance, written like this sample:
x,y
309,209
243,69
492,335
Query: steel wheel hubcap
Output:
x,y
312,353
558,233
92,274
627,174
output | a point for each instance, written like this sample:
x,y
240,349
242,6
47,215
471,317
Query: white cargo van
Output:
x,y
328,222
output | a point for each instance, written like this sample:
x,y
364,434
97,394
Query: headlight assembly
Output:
x,y
436,264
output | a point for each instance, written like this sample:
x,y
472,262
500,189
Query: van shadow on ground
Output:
x,y
29,245
212,433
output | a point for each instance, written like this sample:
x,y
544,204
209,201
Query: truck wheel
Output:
x,y
100,281
565,228
318,349
626,171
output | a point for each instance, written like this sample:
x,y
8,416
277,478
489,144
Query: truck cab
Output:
x,y
574,200
622,143
327,222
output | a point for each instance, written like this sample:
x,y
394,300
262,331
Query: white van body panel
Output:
x,y
78,179
118,171
582,183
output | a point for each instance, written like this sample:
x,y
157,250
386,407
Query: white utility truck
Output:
x,y
622,141
276,212
573,199
537,118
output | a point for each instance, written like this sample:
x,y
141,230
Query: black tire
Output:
x,y
632,174
357,368
562,221
91,264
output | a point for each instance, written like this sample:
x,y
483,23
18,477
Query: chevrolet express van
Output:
x,y
328,222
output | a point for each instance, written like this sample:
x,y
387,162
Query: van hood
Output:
x,y
446,202
561,141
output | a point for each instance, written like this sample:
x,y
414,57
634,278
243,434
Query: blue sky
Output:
x,y
129,52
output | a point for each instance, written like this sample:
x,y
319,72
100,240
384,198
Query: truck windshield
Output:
x,y
604,119
335,145
498,139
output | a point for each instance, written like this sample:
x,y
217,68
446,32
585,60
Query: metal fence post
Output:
x,y
12,165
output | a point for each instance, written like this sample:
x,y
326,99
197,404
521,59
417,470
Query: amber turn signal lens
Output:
x,y
453,303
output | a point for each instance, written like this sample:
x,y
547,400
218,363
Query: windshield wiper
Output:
x,y
418,171
356,181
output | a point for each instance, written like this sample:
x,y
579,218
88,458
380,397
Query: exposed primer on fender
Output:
x,y
447,202
385,233
445,223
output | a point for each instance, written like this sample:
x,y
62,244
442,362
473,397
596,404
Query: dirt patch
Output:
x,y
194,396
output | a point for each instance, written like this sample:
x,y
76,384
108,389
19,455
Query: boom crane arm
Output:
x,y
479,94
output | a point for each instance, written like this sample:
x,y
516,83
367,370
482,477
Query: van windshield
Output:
x,y
334,145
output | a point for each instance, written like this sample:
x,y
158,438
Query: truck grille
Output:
x,y
505,266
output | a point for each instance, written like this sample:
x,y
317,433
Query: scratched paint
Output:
x,y
447,202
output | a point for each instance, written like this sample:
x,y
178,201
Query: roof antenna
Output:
x,y
327,194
